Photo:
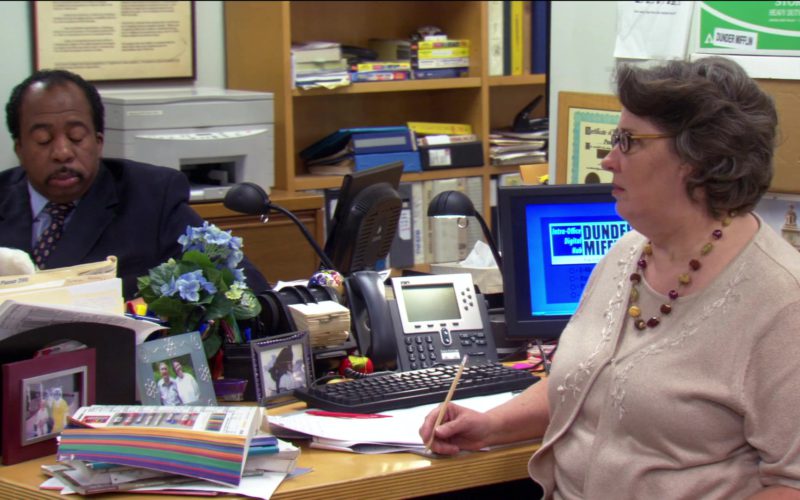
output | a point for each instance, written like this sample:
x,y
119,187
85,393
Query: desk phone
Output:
x,y
433,319
438,319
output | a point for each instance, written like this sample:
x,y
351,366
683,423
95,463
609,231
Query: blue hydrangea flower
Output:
x,y
169,289
190,284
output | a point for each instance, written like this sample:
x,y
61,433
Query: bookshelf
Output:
x,y
258,47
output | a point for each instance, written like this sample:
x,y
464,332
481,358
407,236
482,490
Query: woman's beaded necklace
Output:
x,y
683,280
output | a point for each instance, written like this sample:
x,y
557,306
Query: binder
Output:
x,y
455,155
361,140
401,254
410,159
540,20
382,141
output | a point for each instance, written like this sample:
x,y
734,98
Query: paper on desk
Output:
x,y
256,486
17,317
401,429
251,486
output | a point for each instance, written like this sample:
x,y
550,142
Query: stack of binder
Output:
x,y
355,149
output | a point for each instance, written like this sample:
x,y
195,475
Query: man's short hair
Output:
x,y
50,78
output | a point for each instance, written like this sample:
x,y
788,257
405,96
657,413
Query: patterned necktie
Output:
x,y
52,233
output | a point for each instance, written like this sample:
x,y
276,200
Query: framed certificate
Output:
x,y
106,41
585,124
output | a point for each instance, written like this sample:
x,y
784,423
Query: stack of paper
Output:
x,y
95,478
391,431
507,147
268,453
327,322
319,64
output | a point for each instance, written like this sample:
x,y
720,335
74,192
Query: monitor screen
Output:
x,y
551,238
365,219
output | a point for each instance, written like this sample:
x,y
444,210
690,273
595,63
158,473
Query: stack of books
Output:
x,y
438,57
319,64
116,448
380,71
355,149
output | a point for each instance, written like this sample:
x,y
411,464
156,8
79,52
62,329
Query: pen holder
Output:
x,y
230,389
237,363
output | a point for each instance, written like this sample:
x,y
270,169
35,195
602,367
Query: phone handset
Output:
x,y
370,318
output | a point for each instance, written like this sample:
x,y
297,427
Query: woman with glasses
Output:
x,y
677,377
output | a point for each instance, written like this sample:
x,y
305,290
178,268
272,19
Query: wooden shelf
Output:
x,y
516,80
258,42
401,86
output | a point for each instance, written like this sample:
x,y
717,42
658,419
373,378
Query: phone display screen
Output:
x,y
431,302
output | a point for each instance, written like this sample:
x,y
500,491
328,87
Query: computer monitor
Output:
x,y
551,238
365,220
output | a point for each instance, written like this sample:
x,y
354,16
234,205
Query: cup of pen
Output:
x,y
230,389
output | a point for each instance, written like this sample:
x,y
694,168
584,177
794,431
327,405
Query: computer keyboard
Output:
x,y
392,391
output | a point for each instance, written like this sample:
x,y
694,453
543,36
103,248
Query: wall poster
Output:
x,y
750,28
115,40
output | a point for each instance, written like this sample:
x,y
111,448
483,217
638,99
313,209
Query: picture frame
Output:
x,y
116,41
281,364
166,357
38,396
585,124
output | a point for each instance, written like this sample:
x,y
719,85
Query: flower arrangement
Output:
x,y
203,290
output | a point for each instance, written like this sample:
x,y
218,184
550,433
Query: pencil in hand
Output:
x,y
447,399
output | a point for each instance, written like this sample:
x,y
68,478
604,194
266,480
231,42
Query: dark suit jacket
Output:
x,y
133,210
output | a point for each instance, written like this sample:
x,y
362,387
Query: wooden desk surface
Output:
x,y
336,474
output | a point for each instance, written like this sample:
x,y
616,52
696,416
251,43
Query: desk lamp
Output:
x,y
249,198
457,204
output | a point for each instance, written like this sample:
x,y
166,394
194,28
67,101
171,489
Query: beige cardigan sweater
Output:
x,y
707,405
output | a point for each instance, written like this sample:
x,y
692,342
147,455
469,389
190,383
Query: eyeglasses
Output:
x,y
623,138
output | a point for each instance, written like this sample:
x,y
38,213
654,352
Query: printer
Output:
x,y
217,137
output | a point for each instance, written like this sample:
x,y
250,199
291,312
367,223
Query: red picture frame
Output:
x,y
38,394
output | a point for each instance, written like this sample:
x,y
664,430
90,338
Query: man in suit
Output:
x,y
67,205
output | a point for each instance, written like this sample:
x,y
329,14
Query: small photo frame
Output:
x,y
38,396
173,371
282,364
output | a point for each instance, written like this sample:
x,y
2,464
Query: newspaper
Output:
x,y
18,317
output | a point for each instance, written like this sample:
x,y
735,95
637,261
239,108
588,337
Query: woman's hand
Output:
x,y
461,429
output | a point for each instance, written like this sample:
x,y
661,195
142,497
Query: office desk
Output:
x,y
337,475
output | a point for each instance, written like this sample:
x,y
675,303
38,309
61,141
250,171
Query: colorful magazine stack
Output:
x,y
200,442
